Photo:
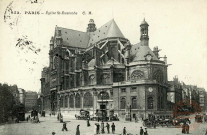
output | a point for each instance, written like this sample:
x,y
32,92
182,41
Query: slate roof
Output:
x,y
81,39
74,38
110,29
140,51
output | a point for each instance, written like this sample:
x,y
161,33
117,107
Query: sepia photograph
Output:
x,y
88,67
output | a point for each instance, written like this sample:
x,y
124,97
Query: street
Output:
x,y
49,124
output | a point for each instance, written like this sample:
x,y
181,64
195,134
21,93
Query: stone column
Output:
x,y
74,100
94,100
81,94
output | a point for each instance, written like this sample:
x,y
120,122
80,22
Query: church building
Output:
x,y
101,69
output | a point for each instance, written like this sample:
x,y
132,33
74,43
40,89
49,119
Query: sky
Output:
x,y
178,28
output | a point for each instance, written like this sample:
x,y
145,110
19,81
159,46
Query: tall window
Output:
x,y
123,103
77,101
105,78
134,102
92,79
150,102
137,75
88,100
66,101
71,101
158,76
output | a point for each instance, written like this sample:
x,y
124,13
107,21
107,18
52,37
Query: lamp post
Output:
x,y
102,123
130,110
59,114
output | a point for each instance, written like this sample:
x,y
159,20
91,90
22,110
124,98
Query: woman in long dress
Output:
x,y
77,130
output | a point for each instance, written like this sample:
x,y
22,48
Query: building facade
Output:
x,y
30,100
101,69
21,96
45,90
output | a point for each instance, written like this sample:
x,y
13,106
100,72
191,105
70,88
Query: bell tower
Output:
x,y
144,38
91,26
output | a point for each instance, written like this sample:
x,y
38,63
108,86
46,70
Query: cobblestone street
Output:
x,y
50,124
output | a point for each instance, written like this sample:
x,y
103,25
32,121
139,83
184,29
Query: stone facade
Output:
x,y
85,65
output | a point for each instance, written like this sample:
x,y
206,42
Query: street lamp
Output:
x,y
59,114
102,124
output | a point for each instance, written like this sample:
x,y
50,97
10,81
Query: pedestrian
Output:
x,y
187,128
141,131
145,132
102,127
98,129
64,127
124,131
88,123
107,127
53,133
113,128
61,118
77,130
206,132
183,128
50,114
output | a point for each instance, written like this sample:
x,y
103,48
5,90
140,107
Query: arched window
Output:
x,y
150,102
104,96
71,101
55,62
134,103
88,100
137,75
105,78
66,101
158,76
77,101
92,79
123,103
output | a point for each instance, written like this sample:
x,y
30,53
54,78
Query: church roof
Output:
x,y
144,22
81,39
140,51
74,38
110,29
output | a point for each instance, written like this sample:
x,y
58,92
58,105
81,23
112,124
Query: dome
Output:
x,y
144,22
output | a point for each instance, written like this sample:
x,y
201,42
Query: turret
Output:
x,y
91,26
58,36
144,38
51,43
156,51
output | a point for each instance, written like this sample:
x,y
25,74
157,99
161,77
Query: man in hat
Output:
x,y
108,126
113,128
141,131
124,131
77,130
98,129
64,127
145,132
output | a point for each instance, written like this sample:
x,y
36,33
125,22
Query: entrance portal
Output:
x,y
102,107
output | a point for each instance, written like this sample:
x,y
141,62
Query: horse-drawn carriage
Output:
x,y
84,115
